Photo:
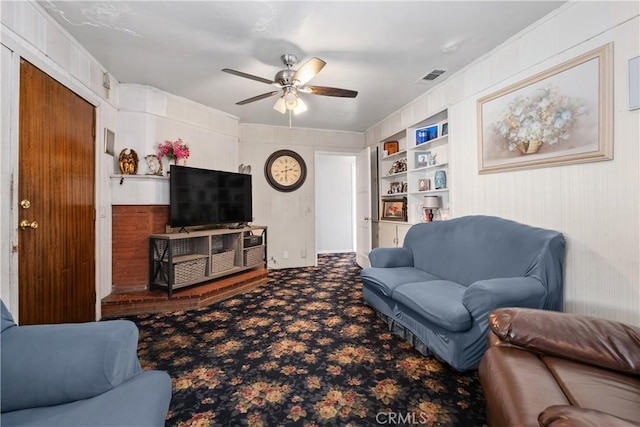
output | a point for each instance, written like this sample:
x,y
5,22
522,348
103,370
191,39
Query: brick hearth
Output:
x,y
132,225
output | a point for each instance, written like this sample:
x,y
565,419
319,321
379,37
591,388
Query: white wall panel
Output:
x,y
595,205
289,216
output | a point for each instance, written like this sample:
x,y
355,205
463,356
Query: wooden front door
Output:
x,y
56,181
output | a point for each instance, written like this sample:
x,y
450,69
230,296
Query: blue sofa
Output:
x,y
438,289
85,374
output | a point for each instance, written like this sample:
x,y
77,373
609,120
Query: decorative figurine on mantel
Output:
x,y
128,162
154,164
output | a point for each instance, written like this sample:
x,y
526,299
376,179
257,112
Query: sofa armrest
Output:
x,y
484,296
571,416
585,339
391,257
46,365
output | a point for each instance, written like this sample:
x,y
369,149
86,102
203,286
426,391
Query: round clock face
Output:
x,y
285,170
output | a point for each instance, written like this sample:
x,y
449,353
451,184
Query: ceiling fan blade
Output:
x,y
258,98
247,76
309,70
329,91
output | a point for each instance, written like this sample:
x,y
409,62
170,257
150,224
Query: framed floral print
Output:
x,y
561,116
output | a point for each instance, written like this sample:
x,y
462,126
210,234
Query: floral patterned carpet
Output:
x,y
302,350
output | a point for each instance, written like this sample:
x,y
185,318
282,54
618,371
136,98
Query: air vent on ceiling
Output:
x,y
433,75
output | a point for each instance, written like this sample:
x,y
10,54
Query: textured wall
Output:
x,y
596,205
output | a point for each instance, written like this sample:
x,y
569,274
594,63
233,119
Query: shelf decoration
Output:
x,y
444,128
398,166
426,134
153,164
560,116
174,150
440,179
128,162
394,209
390,147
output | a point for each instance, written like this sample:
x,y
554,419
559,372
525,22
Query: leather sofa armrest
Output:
x,y
391,257
484,296
585,339
571,416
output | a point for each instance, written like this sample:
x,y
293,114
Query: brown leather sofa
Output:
x,y
546,368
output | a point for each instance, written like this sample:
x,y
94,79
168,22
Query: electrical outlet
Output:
x,y
285,255
303,253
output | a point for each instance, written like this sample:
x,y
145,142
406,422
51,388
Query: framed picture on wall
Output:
x,y
109,142
560,116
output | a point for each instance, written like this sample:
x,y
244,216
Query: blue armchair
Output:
x,y
85,374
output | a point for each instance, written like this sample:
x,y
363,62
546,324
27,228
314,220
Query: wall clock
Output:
x,y
285,170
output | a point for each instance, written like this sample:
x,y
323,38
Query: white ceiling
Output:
x,y
380,49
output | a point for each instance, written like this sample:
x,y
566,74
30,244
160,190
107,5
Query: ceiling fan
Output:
x,y
291,82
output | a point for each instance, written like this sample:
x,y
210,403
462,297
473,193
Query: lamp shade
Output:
x,y
431,202
280,106
301,108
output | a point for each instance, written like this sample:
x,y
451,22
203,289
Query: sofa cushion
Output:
x,y
590,387
385,280
438,301
517,386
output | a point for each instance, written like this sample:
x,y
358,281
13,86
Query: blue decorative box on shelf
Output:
x,y
426,134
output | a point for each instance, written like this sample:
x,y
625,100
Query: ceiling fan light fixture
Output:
x,y
291,100
301,108
280,106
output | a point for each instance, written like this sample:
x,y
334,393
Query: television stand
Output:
x,y
177,260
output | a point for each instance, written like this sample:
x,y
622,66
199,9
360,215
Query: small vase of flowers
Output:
x,y
174,150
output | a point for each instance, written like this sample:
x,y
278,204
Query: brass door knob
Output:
x,y
25,224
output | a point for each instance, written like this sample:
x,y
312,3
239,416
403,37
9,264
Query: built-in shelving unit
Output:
x,y
410,174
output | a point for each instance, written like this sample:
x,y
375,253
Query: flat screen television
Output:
x,y
208,197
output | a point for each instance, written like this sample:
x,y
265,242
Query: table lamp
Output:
x,y
429,205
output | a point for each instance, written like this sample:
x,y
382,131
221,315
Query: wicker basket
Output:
x,y
222,261
253,256
179,247
189,271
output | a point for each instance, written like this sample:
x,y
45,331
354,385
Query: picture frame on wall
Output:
x,y
394,209
109,142
560,116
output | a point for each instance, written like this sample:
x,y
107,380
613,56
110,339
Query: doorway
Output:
x,y
335,202
56,202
